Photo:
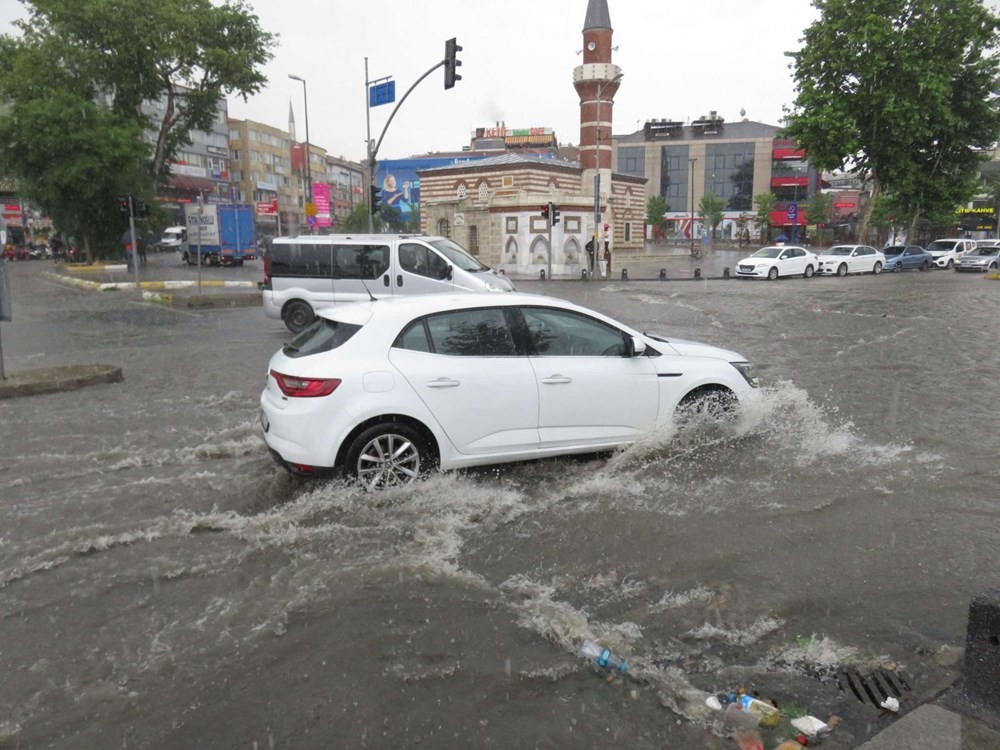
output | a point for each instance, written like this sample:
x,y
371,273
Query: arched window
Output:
x,y
484,191
462,191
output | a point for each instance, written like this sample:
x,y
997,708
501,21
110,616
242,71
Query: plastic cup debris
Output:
x,y
810,726
767,715
890,703
713,703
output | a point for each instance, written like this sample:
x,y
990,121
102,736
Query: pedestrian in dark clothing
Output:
x,y
590,254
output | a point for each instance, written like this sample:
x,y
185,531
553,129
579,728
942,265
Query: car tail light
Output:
x,y
305,387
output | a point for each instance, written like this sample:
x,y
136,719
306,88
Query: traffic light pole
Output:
x,y
451,49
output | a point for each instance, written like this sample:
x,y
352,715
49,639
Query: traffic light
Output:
x,y
554,213
373,203
545,211
451,61
125,206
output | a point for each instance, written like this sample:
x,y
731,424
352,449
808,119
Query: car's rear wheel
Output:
x,y
773,273
387,455
842,269
877,269
298,316
809,272
708,404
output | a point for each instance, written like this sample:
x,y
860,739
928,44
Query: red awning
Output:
x,y
788,153
789,181
192,184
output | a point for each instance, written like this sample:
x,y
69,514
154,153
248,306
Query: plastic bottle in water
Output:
x,y
602,657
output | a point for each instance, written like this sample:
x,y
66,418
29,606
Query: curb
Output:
x,y
151,290
58,379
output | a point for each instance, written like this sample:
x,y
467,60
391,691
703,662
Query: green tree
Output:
x,y
656,208
82,69
711,209
818,210
903,90
357,220
765,203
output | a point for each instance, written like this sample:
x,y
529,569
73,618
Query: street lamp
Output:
x,y
691,162
305,101
597,165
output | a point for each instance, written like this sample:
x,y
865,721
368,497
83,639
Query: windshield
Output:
x,y
839,250
768,252
941,246
988,251
458,256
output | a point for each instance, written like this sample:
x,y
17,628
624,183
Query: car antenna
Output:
x,y
371,297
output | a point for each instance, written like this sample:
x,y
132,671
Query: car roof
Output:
x,y
330,239
416,305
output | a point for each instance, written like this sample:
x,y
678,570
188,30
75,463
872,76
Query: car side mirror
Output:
x,y
446,273
634,347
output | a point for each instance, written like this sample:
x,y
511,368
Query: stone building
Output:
x,y
493,206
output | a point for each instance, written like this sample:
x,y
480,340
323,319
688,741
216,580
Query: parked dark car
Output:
x,y
902,257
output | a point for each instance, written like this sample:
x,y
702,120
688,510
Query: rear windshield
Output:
x,y
321,336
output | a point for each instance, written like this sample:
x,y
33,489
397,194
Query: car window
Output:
x,y
414,337
421,260
321,336
564,333
471,333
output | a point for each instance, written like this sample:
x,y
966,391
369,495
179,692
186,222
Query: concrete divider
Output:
x,y
981,671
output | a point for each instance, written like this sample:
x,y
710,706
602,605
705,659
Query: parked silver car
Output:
x,y
986,257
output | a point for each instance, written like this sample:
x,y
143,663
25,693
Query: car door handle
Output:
x,y
557,380
399,279
443,383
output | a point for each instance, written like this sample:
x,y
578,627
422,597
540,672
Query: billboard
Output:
x,y
399,185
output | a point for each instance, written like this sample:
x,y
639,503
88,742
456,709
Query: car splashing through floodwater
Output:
x,y
159,572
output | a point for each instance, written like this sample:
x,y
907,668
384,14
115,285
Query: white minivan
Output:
x,y
945,252
304,273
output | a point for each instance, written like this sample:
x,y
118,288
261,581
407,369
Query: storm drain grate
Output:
x,y
872,688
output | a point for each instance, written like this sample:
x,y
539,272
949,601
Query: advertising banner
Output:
x,y
321,199
400,187
268,209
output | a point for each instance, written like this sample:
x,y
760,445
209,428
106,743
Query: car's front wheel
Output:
x,y
877,269
773,273
387,455
808,274
925,266
898,266
842,269
709,404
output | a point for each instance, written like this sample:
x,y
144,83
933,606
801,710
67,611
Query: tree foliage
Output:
x,y
902,91
656,208
765,203
711,208
73,133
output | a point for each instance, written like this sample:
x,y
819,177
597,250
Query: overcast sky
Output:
x,y
681,59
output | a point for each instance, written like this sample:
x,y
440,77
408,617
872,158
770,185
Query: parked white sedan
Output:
x,y
384,391
777,260
844,259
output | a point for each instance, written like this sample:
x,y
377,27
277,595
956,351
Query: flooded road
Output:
x,y
165,585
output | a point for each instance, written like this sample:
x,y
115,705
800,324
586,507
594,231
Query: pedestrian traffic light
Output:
x,y
545,211
451,61
554,213
125,206
373,204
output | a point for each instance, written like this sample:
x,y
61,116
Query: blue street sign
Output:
x,y
793,212
382,93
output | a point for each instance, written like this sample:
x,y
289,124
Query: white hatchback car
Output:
x,y
844,259
383,391
778,260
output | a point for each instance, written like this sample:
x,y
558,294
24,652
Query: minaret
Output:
x,y
596,82
291,122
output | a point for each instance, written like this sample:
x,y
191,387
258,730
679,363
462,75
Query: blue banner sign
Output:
x,y
382,93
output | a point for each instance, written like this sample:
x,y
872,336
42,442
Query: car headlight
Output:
x,y
747,371
492,286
